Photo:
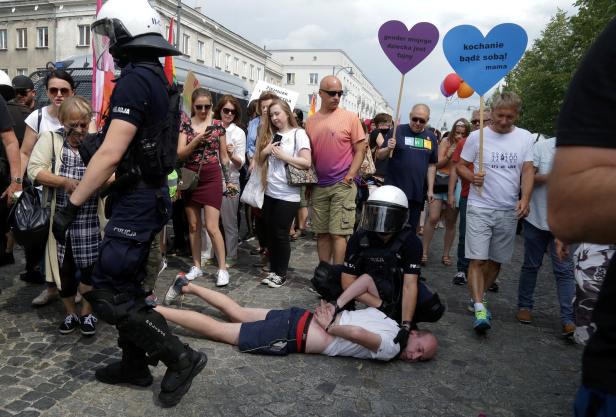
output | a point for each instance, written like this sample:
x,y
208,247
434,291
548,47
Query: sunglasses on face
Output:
x,y
54,91
418,120
228,111
82,126
333,93
202,107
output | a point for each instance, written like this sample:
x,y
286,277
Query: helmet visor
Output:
x,y
103,37
383,218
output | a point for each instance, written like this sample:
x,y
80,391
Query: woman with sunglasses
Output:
x,y
280,142
229,112
59,85
204,149
56,164
461,130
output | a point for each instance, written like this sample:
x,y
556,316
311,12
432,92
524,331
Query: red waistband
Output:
x,y
302,331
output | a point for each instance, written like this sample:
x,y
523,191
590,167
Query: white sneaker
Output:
x,y
44,298
194,273
222,278
162,266
175,290
266,280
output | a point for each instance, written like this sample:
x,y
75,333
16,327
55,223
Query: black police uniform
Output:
x,y
140,208
387,263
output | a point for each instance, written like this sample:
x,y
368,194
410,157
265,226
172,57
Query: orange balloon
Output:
x,y
465,90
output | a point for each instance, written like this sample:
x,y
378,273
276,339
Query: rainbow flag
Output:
x,y
313,105
102,85
169,67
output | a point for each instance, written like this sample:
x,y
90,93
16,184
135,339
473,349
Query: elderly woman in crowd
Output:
x,y
56,164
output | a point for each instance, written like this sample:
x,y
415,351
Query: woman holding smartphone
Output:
x,y
203,146
280,142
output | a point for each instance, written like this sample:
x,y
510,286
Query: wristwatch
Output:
x,y
17,180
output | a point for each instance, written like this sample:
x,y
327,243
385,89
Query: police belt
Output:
x,y
127,183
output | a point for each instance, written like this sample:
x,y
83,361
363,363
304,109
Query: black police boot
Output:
x,y
132,369
180,374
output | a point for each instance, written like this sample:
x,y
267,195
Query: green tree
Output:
x,y
543,74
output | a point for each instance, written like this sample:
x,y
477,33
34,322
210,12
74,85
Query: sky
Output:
x,y
352,25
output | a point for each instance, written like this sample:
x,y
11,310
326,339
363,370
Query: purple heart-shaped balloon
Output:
x,y
407,48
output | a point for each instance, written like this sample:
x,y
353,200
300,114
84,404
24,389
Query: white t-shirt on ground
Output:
x,y
277,186
374,321
236,136
503,157
543,157
48,122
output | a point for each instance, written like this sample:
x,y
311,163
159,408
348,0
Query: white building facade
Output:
x,y
33,33
304,68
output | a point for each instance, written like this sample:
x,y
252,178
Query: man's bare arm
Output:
x,y
578,209
409,296
357,335
368,299
105,160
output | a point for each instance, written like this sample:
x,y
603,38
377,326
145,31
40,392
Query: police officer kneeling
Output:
x,y
139,145
388,250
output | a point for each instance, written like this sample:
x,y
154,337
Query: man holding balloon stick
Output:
x,y
493,205
413,161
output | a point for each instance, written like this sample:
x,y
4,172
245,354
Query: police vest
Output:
x,y
152,154
384,263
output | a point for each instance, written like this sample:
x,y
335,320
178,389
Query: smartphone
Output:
x,y
277,138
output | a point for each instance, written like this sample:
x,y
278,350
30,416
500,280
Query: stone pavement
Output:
x,y
516,370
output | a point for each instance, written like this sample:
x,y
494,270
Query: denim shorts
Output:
x,y
490,234
276,335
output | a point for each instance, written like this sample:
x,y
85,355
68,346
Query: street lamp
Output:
x,y
348,69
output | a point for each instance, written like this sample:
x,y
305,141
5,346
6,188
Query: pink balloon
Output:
x,y
443,90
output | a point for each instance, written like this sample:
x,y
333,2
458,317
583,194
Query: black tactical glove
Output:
x,y
62,220
403,335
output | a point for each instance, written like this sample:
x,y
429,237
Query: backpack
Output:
x,y
153,152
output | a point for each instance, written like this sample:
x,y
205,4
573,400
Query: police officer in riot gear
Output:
x,y
388,250
139,144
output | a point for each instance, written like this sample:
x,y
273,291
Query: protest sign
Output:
x,y
287,95
406,49
190,84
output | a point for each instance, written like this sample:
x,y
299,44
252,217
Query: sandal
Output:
x,y
446,260
424,260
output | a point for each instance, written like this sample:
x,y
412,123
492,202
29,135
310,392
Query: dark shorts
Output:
x,y
278,334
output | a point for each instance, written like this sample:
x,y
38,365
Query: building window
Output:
x,y
200,50
290,78
3,39
185,48
314,78
228,62
217,58
22,38
42,37
258,73
252,72
22,71
244,69
84,35
236,66
310,99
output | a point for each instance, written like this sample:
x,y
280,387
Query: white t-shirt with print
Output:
x,y
277,186
543,158
48,122
236,136
503,157
374,321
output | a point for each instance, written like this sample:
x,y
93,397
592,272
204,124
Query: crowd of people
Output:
x,y
372,194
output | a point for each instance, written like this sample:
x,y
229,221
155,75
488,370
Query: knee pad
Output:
x,y
429,311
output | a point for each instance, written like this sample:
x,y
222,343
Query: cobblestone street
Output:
x,y
515,371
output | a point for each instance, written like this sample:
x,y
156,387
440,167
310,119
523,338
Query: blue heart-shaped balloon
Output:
x,y
483,61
